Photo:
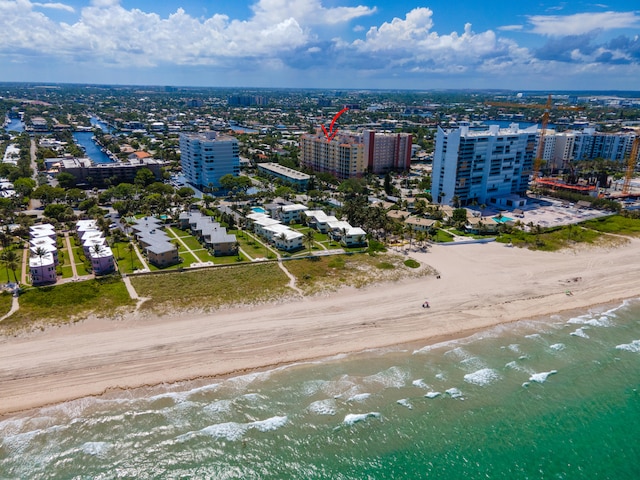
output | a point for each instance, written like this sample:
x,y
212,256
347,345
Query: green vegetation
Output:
x,y
411,263
617,224
212,288
317,274
385,266
69,302
442,236
556,238
5,303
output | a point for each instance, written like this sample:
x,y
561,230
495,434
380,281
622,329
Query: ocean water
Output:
x,y
551,399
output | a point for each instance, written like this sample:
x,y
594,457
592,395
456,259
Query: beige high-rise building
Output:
x,y
342,157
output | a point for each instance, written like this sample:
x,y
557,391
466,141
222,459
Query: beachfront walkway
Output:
x,y
182,242
141,258
72,260
15,305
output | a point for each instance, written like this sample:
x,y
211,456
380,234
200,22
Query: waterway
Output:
x,y
91,148
15,125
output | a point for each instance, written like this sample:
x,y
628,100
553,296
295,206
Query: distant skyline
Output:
x,y
324,43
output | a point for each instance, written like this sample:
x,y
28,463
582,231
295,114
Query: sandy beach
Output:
x,y
480,285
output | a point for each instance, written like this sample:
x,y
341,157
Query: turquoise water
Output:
x,y
502,219
554,399
258,210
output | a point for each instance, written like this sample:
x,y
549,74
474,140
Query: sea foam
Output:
x,y
233,431
323,407
361,397
454,392
542,376
579,333
353,418
394,377
633,347
419,383
96,448
482,377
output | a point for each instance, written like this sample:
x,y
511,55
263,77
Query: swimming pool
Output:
x,y
258,210
502,219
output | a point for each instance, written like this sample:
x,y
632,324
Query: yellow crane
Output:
x,y
544,120
631,166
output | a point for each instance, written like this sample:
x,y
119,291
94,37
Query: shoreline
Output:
x,y
481,286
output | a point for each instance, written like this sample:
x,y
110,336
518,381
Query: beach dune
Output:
x,y
480,285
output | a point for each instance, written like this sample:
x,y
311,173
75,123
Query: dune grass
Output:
x,y
329,273
5,303
69,302
614,224
212,288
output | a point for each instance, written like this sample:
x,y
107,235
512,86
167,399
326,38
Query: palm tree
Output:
x,y
309,239
40,252
131,249
13,264
10,260
283,238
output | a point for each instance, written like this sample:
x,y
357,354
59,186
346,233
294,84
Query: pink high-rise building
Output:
x,y
385,152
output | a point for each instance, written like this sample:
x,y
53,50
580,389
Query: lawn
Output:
x,y
442,236
213,287
70,302
67,271
7,275
185,238
128,261
614,224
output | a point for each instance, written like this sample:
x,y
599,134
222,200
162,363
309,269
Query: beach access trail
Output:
x,y
480,285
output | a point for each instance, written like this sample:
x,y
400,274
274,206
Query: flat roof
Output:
x,y
286,171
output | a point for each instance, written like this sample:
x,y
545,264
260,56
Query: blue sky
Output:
x,y
324,43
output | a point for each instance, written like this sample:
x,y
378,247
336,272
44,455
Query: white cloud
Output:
x,y
411,43
55,6
511,28
308,12
111,33
580,23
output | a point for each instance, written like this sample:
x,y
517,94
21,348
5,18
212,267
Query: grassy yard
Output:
x,y
442,236
5,303
212,288
69,302
128,261
614,224
358,270
6,274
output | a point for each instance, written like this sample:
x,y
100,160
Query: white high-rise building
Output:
x,y
610,146
207,156
559,149
482,166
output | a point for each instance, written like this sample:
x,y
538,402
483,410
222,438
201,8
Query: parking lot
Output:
x,y
549,212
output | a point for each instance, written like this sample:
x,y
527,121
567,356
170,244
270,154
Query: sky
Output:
x,y
361,44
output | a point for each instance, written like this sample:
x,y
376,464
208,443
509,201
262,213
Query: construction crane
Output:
x,y
631,166
544,121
